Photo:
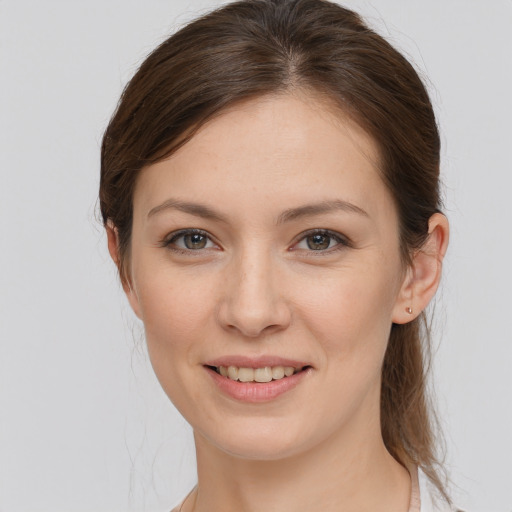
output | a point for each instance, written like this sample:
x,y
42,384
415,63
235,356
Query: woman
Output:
x,y
270,191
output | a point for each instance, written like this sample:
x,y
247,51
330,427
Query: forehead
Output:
x,y
275,149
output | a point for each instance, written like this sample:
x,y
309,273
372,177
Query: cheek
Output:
x,y
350,319
350,315
175,307
349,301
177,312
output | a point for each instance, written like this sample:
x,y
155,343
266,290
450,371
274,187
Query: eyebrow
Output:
x,y
205,212
319,208
197,209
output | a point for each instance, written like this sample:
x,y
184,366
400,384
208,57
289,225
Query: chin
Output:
x,y
259,449
258,441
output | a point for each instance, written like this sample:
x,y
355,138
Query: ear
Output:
x,y
113,249
423,276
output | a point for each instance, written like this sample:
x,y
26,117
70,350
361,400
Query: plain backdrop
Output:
x,y
84,426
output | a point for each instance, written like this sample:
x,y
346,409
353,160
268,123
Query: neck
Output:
x,y
350,473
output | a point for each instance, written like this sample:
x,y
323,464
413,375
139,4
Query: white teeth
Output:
x,y
245,374
233,373
277,372
288,370
265,374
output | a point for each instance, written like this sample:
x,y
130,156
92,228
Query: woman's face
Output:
x,y
269,240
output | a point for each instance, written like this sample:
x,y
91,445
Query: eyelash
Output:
x,y
173,237
342,242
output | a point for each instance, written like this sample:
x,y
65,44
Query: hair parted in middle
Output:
x,y
253,48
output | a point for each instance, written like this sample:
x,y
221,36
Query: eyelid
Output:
x,y
175,235
343,241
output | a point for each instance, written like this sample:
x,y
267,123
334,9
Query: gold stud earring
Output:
x,y
409,310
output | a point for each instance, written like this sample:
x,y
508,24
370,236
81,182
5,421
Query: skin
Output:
x,y
256,288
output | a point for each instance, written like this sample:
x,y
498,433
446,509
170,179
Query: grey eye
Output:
x,y
322,241
318,241
190,241
195,241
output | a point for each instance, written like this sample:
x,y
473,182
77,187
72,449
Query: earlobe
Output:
x,y
423,276
113,249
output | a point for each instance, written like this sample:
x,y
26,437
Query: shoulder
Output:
x,y
431,500
178,507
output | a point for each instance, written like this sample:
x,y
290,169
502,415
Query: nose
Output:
x,y
253,302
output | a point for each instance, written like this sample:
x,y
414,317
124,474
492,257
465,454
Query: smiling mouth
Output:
x,y
261,375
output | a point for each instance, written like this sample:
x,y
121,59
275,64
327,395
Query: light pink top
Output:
x,y
423,496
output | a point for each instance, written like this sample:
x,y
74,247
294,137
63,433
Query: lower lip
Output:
x,y
257,392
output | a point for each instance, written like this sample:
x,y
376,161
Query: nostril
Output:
x,y
247,313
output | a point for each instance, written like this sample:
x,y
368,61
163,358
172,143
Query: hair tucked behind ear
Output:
x,y
257,47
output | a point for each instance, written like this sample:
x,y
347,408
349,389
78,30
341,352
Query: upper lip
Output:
x,y
255,362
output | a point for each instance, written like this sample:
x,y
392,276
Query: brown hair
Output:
x,y
252,48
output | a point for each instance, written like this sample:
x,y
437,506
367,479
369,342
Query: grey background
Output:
x,y
84,425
